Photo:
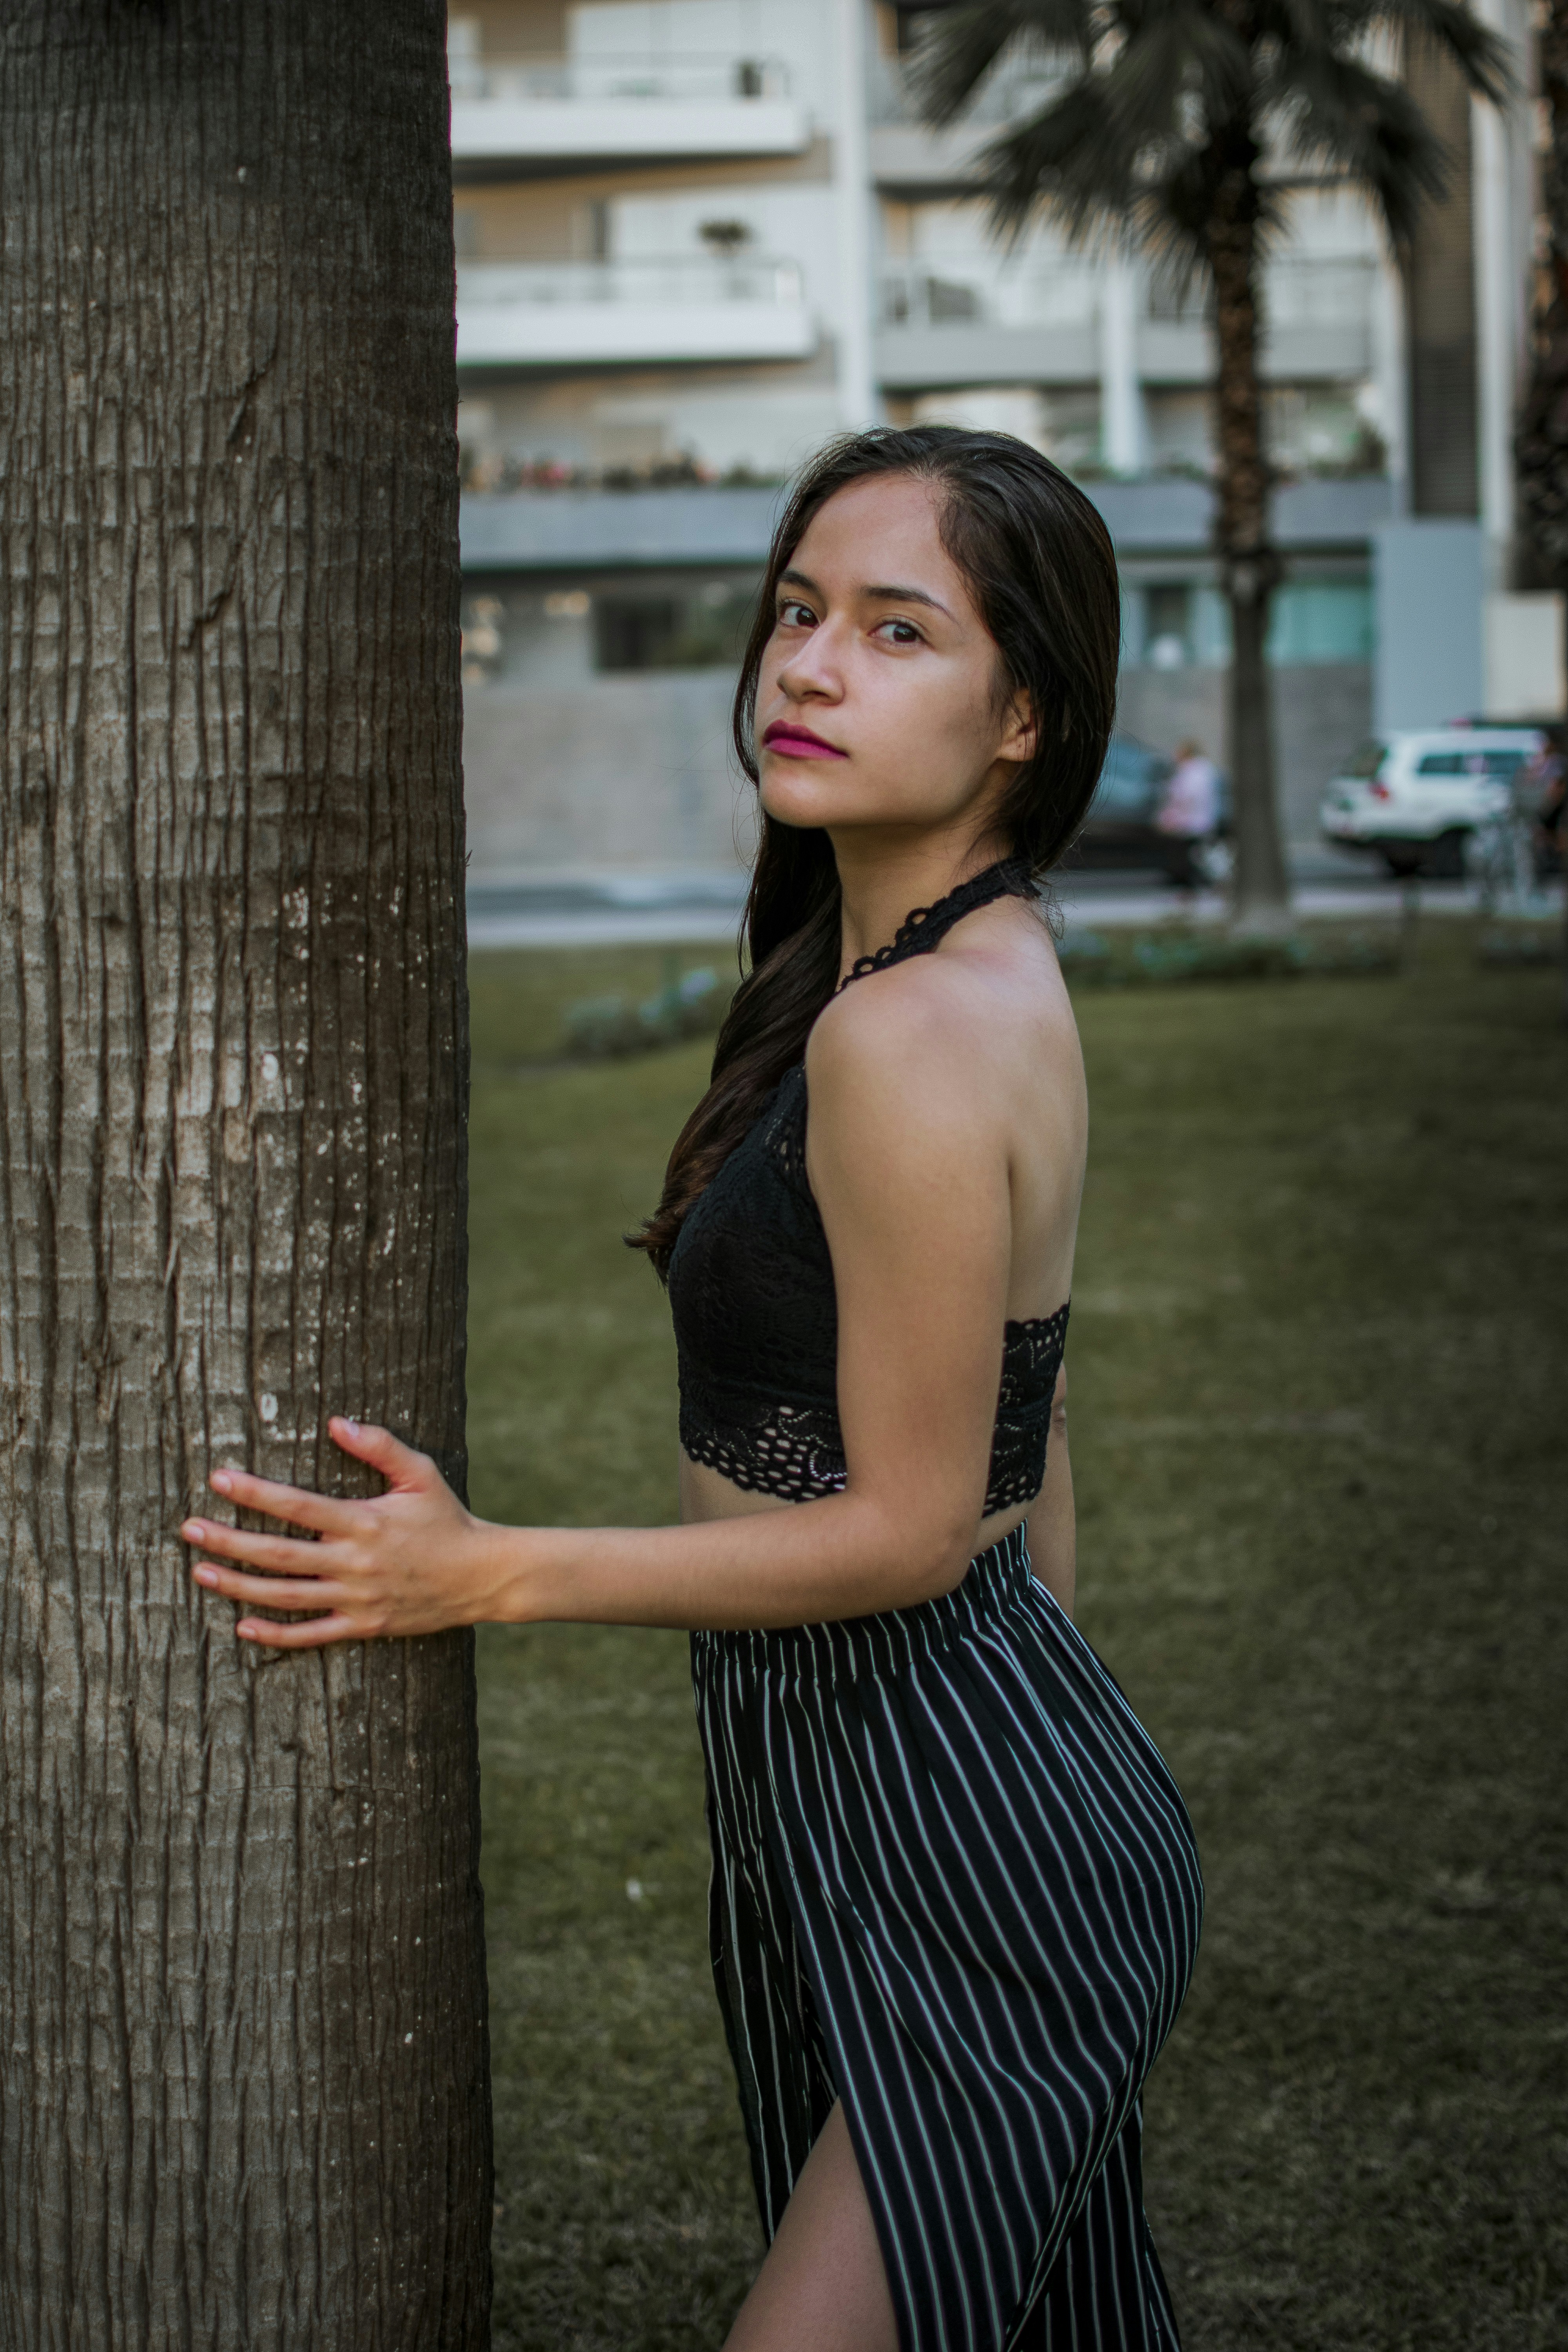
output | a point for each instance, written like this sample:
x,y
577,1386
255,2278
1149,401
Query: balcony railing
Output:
x,y
922,295
1299,292
680,281
698,76
617,313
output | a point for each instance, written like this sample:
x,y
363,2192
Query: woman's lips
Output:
x,y
799,742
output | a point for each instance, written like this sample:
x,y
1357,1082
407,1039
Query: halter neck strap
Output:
x,y
924,928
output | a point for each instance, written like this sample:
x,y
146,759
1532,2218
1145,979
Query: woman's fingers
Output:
x,y
313,1635
377,1572
296,1504
271,1592
398,1464
285,1555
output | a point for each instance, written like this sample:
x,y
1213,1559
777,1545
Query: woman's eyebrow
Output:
x,y
895,595
877,593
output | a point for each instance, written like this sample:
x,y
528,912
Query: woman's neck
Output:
x,y
882,882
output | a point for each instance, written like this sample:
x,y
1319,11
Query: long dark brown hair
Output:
x,y
1038,562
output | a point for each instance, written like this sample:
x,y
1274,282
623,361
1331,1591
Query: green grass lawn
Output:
x,y
1319,1365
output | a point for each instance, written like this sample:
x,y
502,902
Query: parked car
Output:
x,y
1415,799
1119,829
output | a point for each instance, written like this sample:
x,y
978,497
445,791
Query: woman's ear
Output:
x,y
1020,732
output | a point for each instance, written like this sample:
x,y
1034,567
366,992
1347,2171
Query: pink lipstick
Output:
x,y
794,742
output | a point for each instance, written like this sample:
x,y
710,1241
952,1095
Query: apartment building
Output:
x,y
696,238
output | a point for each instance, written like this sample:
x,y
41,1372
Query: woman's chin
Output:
x,y
801,799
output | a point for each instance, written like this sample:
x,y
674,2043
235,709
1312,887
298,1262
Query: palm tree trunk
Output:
x,y
1249,564
243,2086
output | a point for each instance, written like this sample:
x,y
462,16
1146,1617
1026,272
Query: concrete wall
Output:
x,y
1428,578
1320,713
636,770
630,771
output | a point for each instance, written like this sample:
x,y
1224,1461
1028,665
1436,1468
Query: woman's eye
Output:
x,y
900,632
792,615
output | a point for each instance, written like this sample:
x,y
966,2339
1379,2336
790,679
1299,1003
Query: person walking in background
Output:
x,y
1542,792
1188,815
955,1897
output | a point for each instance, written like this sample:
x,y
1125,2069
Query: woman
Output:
x,y
954,1897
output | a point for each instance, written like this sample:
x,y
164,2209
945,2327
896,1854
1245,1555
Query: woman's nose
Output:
x,y
813,668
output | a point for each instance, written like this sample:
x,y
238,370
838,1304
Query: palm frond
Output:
x,y
1177,212
1136,142
1180,51
959,45
1451,27
1073,155
1343,114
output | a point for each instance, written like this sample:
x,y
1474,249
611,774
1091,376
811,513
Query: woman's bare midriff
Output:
x,y
707,1493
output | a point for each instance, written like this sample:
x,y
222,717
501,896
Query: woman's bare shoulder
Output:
x,y
965,1027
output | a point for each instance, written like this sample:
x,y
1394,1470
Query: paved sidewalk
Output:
x,y
577,910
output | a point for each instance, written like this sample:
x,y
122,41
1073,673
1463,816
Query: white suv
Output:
x,y
1415,799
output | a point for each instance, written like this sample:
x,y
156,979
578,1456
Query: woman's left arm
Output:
x,y
909,1162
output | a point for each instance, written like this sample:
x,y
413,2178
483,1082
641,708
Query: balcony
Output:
x,y
547,114
557,314
962,322
1318,319
584,531
1037,325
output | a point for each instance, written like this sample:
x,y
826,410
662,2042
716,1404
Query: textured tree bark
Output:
x,y
243,2083
1249,561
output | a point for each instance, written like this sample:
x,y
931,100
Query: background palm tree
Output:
x,y
1177,125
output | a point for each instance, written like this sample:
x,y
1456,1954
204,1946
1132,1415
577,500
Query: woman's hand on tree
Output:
x,y
412,1560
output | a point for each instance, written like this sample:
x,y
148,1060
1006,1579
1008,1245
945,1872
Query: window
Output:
x,y
1321,621
702,626
946,299
1469,764
636,632
1367,761
1167,627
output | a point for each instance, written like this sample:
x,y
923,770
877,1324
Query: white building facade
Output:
x,y
696,238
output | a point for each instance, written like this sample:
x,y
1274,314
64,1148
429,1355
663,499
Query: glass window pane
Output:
x,y
1321,621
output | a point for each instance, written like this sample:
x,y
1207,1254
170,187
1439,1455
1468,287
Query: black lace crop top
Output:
x,y
756,1323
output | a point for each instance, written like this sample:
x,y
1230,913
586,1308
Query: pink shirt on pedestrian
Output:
x,y
1190,805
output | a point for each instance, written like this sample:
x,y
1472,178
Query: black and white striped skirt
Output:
x,y
954,1885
